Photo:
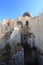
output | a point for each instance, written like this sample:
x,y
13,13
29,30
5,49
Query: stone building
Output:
x,y
26,24
35,25
6,25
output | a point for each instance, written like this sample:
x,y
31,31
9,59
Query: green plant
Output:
x,y
7,53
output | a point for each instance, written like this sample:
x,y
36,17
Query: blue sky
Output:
x,y
15,8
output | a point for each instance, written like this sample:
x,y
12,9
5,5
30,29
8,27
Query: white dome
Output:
x,y
15,36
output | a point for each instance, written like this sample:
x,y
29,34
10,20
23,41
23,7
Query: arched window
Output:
x,y
20,23
8,24
26,22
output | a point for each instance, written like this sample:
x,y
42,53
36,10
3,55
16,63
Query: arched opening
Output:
x,y
26,22
8,24
20,23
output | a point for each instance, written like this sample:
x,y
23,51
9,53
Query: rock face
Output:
x,y
5,39
18,58
15,36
